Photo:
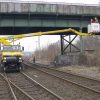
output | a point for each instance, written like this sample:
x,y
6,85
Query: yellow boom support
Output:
x,y
7,39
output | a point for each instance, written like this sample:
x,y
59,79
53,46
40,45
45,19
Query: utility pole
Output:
x,y
81,43
39,47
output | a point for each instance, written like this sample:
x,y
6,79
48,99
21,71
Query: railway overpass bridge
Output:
x,y
27,17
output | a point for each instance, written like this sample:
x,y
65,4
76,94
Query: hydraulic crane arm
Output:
x,y
4,40
51,33
65,31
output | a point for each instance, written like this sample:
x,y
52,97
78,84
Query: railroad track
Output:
x,y
15,92
5,90
82,80
31,87
22,87
87,83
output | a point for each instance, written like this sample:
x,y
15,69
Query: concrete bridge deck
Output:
x,y
26,17
49,8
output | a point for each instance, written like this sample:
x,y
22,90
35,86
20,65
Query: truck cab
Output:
x,y
11,57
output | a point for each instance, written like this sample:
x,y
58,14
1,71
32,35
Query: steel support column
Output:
x,y
62,44
81,43
66,45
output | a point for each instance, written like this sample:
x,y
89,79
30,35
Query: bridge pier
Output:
x,y
67,44
70,53
62,44
81,43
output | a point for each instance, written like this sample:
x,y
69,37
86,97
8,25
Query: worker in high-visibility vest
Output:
x,y
96,20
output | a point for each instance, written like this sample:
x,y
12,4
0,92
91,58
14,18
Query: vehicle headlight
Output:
x,y
4,58
20,58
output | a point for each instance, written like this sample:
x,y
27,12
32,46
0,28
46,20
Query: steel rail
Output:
x,y
10,82
22,91
52,93
83,86
75,74
71,73
6,79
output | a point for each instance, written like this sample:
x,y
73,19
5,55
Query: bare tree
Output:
x,y
48,53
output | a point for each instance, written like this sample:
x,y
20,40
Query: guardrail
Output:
x,y
45,2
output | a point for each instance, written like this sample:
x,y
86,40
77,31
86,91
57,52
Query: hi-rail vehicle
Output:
x,y
11,57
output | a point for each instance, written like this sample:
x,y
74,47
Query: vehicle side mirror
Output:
x,y
1,48
22,48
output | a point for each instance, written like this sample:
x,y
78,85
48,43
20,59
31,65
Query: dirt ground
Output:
x,y
88,71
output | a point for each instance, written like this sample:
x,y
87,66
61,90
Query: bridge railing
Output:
x,y
43,2
16,6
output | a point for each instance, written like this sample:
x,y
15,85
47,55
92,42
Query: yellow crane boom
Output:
x,y
5,42
7,39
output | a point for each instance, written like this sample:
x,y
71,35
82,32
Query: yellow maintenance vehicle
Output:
x,y
11,55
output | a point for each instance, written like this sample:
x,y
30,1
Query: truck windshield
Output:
x,y
12,48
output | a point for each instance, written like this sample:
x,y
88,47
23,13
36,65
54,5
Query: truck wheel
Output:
x,y
18,69
4,69
1,69
22,67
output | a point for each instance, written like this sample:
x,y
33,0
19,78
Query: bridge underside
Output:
x,y
15,23
25,30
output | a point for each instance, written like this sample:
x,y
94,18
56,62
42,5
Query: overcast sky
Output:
x,y
32,43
